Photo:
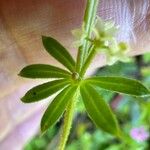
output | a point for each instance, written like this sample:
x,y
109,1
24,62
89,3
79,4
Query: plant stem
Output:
x,y
89,19
88,61
67,124
79,60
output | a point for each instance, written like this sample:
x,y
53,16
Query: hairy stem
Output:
x,y
67,124
89,19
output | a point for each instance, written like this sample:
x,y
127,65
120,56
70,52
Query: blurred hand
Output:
x,y
22,22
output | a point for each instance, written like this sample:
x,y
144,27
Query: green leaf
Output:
x,y
44,90
120,85
55,49
98,110
43,71
57,107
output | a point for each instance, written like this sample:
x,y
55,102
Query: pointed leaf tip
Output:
x,y
43,71
98,110
120,85
59,52
44,90
44,37
57,107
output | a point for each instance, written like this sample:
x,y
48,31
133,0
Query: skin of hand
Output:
x,y
23,22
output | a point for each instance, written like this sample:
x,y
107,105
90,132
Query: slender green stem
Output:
x,y
89,18
67,124
79,58
88,62
83,61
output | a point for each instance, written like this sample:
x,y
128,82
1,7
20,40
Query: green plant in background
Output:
x,y
95,36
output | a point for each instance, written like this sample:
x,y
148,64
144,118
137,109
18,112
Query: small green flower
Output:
x,y
104,30
79,35
117,52
105,41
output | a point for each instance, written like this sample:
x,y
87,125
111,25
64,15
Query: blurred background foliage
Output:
x,y
131,112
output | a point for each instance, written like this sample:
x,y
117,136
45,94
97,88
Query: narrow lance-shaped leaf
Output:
x,y
98,110
57,107
44,90
43,71
120,85
55,49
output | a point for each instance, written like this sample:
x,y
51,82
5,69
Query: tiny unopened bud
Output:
x,y
75,76
123,46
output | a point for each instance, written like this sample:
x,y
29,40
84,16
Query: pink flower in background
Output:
x,y
139,134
